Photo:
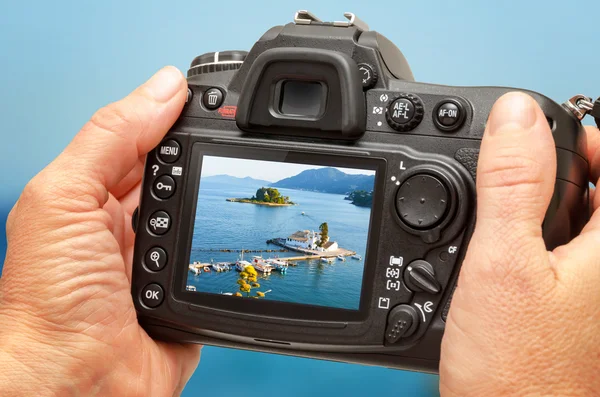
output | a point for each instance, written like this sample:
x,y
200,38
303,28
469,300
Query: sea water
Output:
x,y
223,225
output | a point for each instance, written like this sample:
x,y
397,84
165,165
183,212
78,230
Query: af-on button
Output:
x,y
449,115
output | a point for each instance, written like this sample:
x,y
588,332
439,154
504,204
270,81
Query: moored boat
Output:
x,y
357,257
279,265
195,269
341,258
241,265
327,260
206,269
220,267
190,288
263,267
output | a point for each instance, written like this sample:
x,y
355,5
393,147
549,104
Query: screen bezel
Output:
x,y
266,307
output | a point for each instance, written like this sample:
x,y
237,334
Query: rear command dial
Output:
x,y
422,201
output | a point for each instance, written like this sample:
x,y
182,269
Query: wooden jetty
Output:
x,y
332,254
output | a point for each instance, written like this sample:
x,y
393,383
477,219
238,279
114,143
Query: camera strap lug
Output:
x,y
304,17
581,105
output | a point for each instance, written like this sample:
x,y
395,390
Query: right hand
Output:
x,y
524,321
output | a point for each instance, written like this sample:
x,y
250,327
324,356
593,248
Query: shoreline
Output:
x,y
246,201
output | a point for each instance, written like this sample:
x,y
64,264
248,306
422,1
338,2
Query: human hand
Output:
x,y
69,326
523,321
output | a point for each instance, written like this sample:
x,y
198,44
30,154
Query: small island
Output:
x,y
265,196
361,198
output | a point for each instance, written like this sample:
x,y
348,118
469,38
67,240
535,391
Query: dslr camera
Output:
x,y
314,200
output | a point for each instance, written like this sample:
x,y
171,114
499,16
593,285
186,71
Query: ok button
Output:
x,y
152,295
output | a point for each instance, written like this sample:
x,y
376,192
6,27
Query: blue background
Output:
x,y
62,60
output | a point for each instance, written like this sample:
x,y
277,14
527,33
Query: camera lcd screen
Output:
x,y
281,231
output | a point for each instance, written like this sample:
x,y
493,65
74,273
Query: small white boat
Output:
x,y
220,267
190,288
195,269
227,293
241,265
357,257
263,267
327,260
303,213
341,258
279,265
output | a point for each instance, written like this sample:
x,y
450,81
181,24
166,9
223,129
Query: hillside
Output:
x,y
327,180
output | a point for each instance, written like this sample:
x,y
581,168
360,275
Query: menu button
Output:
x,y
169,151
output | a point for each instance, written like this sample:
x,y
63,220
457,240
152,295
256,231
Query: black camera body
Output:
x,y
353,183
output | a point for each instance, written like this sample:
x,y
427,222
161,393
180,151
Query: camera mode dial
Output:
x,y
405,112
217,62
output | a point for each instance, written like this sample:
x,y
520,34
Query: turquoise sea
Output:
x,y
220,224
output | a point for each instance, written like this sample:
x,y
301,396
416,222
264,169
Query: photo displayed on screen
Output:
x,y
281,231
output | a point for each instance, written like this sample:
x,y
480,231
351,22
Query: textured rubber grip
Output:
x,y
468,157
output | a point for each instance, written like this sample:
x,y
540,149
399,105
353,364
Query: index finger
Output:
x,y
108,147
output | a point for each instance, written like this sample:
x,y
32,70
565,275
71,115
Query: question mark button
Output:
x,y
155,168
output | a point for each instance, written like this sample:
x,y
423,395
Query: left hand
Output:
x,y
69,326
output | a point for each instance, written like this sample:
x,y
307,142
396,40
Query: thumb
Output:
x,y
108,147
515,180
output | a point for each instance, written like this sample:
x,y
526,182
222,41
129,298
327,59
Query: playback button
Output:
x,y
164,187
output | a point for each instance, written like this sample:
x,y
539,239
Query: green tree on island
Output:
x,y
324,228
270,195
265,196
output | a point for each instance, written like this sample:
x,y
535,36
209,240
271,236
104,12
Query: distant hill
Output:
x,y
327,180
232,180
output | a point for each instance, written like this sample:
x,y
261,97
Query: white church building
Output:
x,y
308,239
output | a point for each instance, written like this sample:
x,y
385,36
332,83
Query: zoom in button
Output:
x,y
156,259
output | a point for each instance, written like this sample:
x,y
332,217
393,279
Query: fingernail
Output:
x,y
165,83
513,108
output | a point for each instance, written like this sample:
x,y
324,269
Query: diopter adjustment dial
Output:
x,y
368,75
217,62
405,112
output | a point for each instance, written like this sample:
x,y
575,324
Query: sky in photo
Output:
x,y
264,170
